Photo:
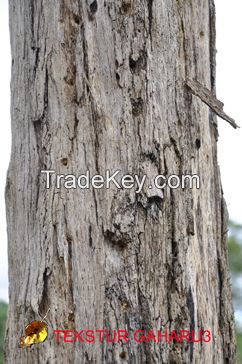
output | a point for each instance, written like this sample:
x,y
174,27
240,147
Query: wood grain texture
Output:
x,y
207,96
100,85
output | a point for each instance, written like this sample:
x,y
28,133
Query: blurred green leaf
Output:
x,y
3,317
239,348
235,248
235,262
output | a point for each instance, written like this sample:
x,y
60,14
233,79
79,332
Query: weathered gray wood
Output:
x,y
100,86
207,96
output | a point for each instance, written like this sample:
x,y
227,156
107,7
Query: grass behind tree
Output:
x,y
3,317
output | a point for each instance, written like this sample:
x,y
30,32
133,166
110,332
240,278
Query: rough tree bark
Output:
x,y
100,85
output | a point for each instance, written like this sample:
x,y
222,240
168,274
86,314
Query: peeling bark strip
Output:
x,y
207,96
97,85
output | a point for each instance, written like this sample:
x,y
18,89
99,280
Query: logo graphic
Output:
x,y
36,332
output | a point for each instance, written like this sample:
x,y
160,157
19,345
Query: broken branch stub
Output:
x,y
209,99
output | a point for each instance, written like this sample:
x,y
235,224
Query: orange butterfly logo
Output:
x,y
36,332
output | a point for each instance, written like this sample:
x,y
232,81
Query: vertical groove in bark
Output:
x,y
99,85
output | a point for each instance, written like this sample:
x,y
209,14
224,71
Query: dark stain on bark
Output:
x,y
93,7
157,200
123,355
38,125
44,304
90,236
136,65
126,6
36,51
150,15
190,305
117,238
64,161
198,143
150,156
137,106
199,230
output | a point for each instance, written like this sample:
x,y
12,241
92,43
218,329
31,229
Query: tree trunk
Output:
x,y
100,85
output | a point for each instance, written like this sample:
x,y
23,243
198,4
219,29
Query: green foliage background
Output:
x,y
3,317
235,261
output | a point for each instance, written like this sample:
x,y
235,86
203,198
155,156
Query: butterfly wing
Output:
x,y
35,333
